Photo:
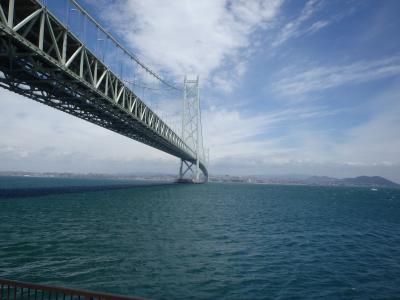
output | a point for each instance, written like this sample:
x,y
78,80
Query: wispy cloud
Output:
x,y
316,26
231,133
298,81
370,147
295,27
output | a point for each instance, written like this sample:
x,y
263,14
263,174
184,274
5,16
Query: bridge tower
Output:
x,y
192,130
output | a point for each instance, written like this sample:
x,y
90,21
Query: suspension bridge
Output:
x,y
56,53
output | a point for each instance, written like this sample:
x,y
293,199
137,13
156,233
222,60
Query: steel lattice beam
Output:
x,y
42,60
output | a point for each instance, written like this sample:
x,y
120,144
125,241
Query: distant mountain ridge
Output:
x,y
289,179
361,181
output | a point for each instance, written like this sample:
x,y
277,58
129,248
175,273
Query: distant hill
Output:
x,y
295,179
361,181
370,181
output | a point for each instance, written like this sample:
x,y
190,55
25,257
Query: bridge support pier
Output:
x,y
187,167
184,168
191,130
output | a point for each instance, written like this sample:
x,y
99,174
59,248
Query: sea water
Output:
x,y
211,241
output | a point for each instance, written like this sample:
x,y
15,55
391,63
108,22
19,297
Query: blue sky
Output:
x,y
288,87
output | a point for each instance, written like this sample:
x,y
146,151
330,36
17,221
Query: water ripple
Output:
x,y
209,241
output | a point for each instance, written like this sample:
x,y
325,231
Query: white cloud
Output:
x,y
297,81
33,136
189,36
227,79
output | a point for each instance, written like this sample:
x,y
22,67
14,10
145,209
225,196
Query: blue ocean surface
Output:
x,y
25,182
212,241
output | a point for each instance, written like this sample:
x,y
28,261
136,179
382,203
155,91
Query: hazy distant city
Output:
x,y
361,181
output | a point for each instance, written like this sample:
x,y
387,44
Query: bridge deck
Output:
x,y
41,59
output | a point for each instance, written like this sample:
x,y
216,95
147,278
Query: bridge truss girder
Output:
x,y
42,60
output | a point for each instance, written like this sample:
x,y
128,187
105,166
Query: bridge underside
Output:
x,y
30,75
30,71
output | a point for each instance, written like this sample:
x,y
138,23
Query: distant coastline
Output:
x,y
143,176
360,181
